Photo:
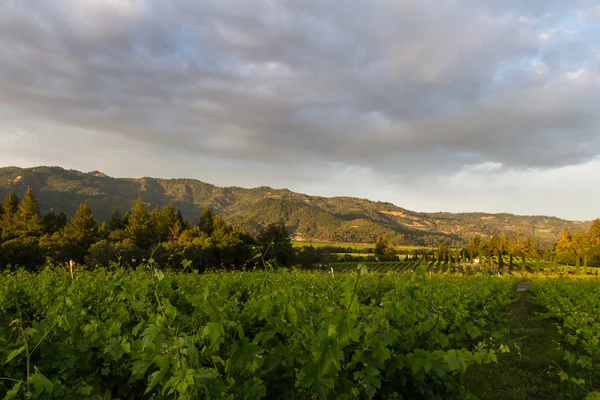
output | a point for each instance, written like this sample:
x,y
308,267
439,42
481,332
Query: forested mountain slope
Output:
x,y
341,219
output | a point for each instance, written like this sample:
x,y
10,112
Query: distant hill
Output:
x,y
336,219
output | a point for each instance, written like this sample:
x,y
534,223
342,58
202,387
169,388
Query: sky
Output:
x,y
445,105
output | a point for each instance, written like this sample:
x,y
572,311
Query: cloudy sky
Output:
x,y
434,105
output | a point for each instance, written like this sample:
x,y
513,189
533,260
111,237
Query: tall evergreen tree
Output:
x,y
169,227
275,240
53,222
78,235
116,221
594,233
9,213
206,223
29,221
138,226
82,228
565,250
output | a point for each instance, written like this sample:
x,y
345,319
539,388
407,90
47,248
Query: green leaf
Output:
x,y
86,390
40,383
563,376
474,331
14,353
149,335
264,305
214,332
332,331
292,314
14,391
139,368
454,362
157,376
584,361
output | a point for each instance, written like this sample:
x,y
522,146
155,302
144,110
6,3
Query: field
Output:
x,y
146,333
486,264
359,247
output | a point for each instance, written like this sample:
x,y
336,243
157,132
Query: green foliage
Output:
x,y
116,221
575,303
27,218
52,222
139,228
206,223
8,223
154,334
163,234
383,249
276,241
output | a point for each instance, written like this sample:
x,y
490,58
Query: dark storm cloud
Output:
x,y
378,84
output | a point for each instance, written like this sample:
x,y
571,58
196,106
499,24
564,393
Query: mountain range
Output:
x,y
334,219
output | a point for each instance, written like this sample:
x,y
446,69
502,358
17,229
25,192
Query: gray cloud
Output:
x,y
378,85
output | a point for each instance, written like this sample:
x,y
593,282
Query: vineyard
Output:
x,y
151,334
489,265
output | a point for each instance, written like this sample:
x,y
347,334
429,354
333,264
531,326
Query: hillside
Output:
x,y
343,219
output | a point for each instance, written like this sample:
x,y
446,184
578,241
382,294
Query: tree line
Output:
x,y
30,239
571,249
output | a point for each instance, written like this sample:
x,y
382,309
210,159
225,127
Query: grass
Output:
x,y
530,373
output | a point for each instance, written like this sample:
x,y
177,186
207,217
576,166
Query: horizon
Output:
x,y
435,107
303,193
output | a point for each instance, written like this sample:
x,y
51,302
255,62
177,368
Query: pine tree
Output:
x,y
155,227
594,233
564,246
116,221
53,222
206,222
28,215
138,225
275,240
170,222
83,227
9,213
165,223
